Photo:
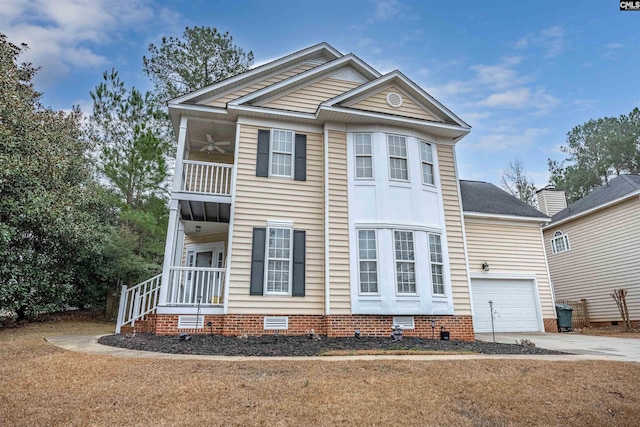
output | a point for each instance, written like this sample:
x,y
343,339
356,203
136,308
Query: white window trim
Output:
x,y
267,258
375,232
406,158
356,155
423,161
441,264
395,263
559,235
293,153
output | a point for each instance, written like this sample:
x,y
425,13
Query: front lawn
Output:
x,y
43,385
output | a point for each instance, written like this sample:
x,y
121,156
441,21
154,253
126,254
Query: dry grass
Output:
x,y
374,352
42,386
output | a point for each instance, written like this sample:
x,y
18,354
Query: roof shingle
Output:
x,y
483,197
618,187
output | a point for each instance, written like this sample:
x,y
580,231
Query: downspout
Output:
x,y
327,308
546,263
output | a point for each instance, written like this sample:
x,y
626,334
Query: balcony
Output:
x,y
206,178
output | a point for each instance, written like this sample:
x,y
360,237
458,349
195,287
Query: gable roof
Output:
x,y
433,106
440,122
485,198
618,189
308,76
320,49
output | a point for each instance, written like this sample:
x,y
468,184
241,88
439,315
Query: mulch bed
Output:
x,y
284,345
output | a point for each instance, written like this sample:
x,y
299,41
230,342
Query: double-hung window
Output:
x,y
426,157
560,242
405,262
279,260
364,156
398,166
435,254
281,153
368,261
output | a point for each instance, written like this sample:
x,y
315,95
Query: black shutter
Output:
x,y
299,252
262,160
300,167
257,261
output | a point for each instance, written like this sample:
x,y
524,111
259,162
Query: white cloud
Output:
x,y
582,104
386,9
515,98
450,89
552,40
521,98
612,49
508,138
67,34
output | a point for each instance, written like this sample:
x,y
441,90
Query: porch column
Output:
x,y
174,218
179,248
169,249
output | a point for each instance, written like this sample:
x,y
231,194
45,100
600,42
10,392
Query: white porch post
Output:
x,y
174,219
169,250
179,247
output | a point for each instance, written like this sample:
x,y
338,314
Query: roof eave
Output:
x,y
484,215
593,210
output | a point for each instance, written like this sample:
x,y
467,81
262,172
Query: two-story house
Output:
x,y
313,192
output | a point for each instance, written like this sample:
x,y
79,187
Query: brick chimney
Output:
x,y
550,200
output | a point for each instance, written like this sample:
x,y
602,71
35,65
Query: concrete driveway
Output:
x,y
623,349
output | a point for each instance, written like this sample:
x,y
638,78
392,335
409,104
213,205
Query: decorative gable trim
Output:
x,y
349,75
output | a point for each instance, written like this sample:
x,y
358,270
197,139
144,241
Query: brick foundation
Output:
x,y
635,324
459,327
550,325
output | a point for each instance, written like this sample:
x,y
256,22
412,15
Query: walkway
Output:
x,y
89,344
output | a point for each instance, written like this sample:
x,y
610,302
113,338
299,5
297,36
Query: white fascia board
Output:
x,y
316,70
384,116
272,111
592,210
388,78
483,215
197,108
291,57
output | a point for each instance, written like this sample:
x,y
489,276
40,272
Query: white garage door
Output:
x,y
514,305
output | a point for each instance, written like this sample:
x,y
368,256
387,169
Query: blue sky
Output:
x,y
521,73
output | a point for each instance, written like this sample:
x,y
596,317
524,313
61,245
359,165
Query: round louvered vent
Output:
x,y
394,99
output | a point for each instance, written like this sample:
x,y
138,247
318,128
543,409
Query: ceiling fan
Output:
x,y
213,145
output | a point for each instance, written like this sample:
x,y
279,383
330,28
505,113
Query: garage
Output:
x,y
514,302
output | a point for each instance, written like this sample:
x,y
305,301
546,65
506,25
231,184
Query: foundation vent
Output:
x,y
190,322
273,323
406,322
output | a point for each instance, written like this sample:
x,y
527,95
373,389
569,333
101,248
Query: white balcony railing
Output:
x,y
194,286
206,178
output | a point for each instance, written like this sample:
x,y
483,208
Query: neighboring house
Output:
x,y
507,263
592,249
313,192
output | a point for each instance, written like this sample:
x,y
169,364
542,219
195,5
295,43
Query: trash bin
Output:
x,y
564,313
